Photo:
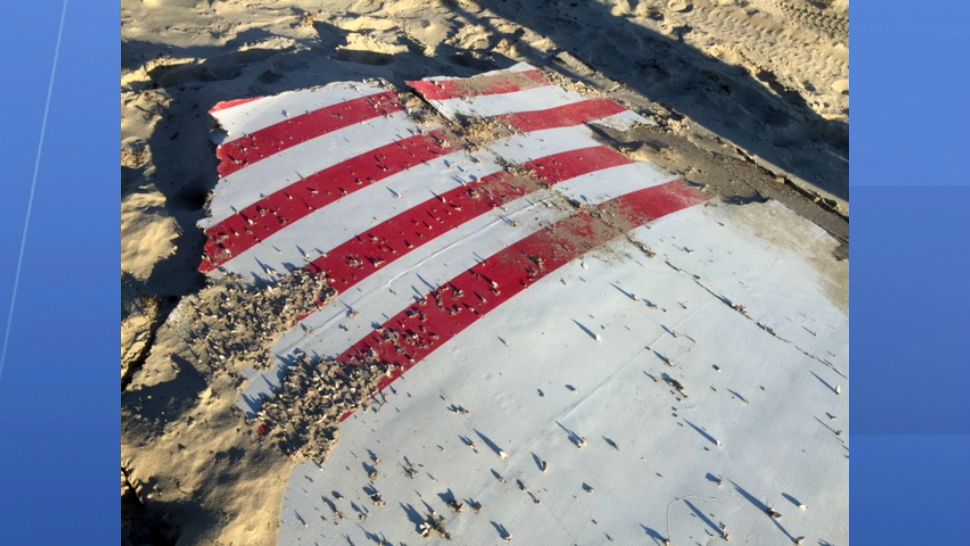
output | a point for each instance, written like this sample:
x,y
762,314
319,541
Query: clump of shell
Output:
x,y
303,416
232,325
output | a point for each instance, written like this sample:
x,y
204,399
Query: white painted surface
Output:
x,y
525,147
601,186
536,98
249,117
779,442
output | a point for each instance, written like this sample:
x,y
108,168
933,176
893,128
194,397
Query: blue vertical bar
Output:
x,y
59,389
910,265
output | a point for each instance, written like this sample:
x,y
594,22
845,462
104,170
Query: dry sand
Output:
x,y
751,98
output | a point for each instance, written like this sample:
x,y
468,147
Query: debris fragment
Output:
x,y
433,526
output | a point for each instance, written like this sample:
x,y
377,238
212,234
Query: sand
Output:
x,y
187,453
751,98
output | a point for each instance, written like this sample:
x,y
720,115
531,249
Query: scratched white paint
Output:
x,y
525,147
249,117
623,121
766,404
536,98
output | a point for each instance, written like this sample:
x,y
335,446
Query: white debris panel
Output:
x,y
595,350
694,419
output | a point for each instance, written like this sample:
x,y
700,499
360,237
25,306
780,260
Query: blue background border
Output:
x,y
59,393
910,430
910,268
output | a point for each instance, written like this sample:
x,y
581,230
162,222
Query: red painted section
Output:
x,y
260,220
360,257
261,144
481,85
562,116
425,326
227,104
563,166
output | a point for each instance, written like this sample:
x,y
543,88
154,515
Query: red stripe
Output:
x,y
260,220
227,104
563,166
425,326
353,261
265,142
481,85
562,116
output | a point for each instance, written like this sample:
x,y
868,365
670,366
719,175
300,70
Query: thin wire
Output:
x,y
33,187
